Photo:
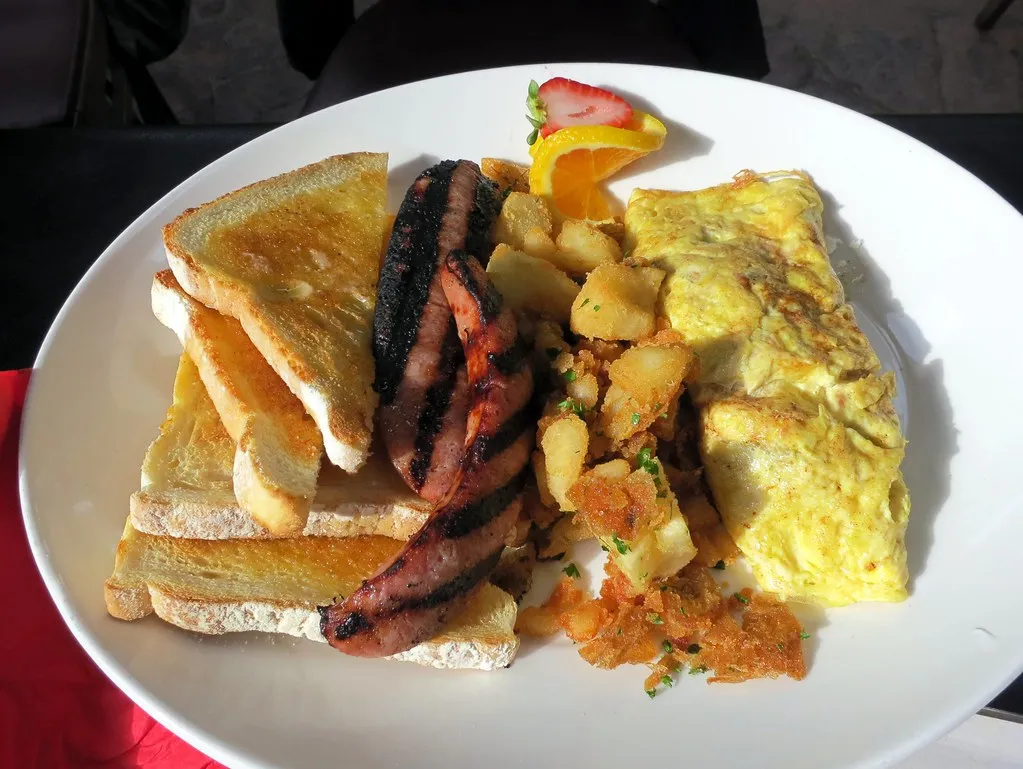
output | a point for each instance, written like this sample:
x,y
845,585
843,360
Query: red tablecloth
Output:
x,y
57,710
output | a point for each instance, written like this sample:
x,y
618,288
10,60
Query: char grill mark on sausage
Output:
x,y
422,389
438,402
456,550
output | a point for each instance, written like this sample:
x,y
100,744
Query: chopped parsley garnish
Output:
x,y
623,547
666,680
596,308
651,693
645,460
569,375
635,418
577,408
619,631
668,648
740,598
683,610
693,649
571,570
658,406
781,646
697,670
804,635
654,618
720,566
585,302
663,588
604,548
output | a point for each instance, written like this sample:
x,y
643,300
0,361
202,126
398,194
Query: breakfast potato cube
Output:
x,y
584,622
613,227
564,445
521,213
538,243
582,247
566,532
617,302
651,374
615,470
584,389
531,284
636,518
542,620
507,175
540,471
644,380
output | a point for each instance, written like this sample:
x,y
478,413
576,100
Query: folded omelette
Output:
x,y
799,437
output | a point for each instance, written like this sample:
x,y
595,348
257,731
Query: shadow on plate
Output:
x,y
928,419
400,178
681,143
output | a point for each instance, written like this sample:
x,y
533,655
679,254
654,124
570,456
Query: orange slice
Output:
x,y
569,165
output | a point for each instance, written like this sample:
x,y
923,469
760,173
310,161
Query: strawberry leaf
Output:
x,y
537,111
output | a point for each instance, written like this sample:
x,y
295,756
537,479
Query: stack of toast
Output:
x,y
262,497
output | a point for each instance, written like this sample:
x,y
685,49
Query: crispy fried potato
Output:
x,y
563,534
613,227
584,622
617,302
521,213
507,175
767,644
644,381
538,243
627,639
543,516
549,338
529,284
615,470
514,572
540,471
581,248
564,445
542,620
584,389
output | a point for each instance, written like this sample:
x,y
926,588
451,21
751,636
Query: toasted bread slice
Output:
x,y
279,449
188,486
274,586
295,259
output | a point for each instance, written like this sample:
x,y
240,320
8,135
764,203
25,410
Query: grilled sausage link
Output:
x,y
420,374
434,575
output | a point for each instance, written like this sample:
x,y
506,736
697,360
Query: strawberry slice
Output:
x,y
561,102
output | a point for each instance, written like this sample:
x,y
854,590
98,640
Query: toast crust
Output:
x,y
295,260
188,483
278,445
275,586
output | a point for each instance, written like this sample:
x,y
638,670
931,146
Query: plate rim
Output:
x,y
232,755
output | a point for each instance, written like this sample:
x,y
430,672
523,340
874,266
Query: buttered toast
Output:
x,y
274,586
278,454
295,259
188,490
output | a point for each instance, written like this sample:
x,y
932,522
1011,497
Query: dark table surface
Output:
x,y
67,193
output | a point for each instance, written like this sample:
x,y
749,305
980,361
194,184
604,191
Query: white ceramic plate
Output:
x,y
935,273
